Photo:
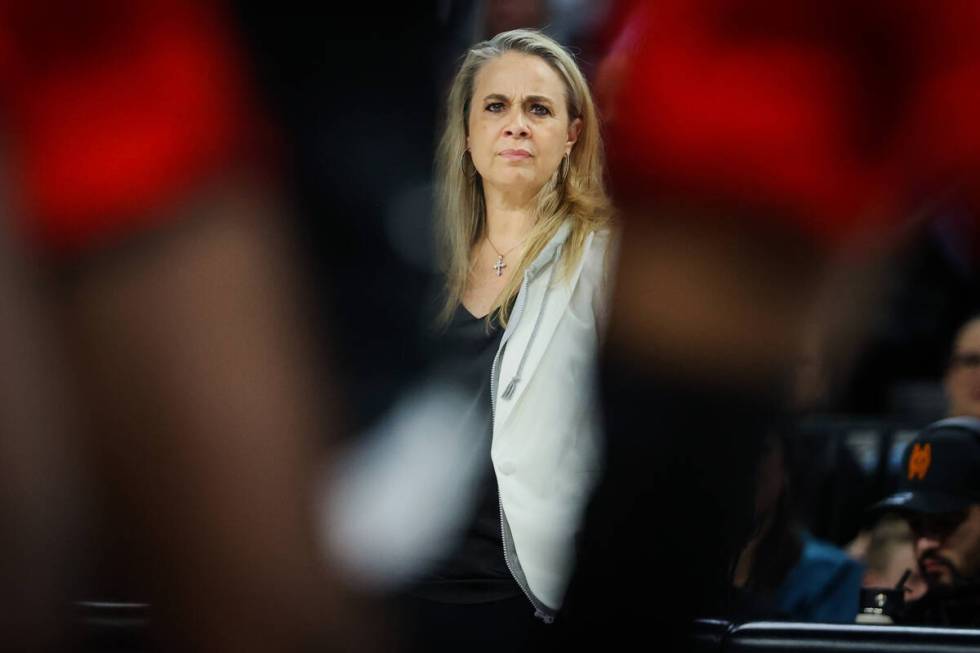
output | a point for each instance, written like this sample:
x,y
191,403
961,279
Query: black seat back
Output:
x,y
779,637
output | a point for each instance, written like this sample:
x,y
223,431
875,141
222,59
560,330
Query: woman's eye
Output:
x,y
540,110
495,107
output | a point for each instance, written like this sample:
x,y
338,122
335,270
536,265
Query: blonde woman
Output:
x,y
525,220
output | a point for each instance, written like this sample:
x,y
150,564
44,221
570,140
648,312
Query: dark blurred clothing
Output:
x,y
823,586
494,627
673,509
956,607
475,571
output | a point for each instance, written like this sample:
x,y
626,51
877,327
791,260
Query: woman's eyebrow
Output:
x,y
539,98
530,98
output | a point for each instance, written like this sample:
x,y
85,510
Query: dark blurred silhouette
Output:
x,y
166,399
756,148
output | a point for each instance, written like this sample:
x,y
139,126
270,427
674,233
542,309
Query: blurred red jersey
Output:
x,y
113,108
831,115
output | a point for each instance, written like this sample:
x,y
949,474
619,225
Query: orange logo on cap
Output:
x,y
919,461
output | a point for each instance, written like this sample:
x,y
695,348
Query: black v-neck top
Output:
x,y
475,571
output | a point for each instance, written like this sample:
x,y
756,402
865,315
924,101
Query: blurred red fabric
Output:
x,y
831,115
112,108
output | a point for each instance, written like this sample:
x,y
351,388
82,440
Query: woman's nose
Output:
x,y
517,127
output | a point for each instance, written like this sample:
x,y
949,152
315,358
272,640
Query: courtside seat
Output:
x,y
709,635
113,627
777,637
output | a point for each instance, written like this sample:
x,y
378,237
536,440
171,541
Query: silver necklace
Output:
x,y
499,266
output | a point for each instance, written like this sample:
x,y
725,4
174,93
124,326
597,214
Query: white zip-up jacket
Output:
x,y
399,498
546,436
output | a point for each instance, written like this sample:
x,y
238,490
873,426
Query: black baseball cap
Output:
x,y
940,469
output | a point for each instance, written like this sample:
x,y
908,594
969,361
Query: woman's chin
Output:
x,y
516,184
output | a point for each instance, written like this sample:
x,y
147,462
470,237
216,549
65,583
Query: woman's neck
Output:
x,y
509,217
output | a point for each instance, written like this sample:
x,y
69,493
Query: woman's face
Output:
x,y
519,126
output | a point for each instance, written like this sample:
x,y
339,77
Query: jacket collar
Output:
x,y
533,321
551,250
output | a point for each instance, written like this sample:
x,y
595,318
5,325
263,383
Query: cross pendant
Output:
x,y
499,266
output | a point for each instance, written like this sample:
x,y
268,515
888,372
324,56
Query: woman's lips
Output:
x,y
515,154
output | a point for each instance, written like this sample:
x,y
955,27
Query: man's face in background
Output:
x,y
947,546
962,381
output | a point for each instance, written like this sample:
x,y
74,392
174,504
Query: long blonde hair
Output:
x,y
576,191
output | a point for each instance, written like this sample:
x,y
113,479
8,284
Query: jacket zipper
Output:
x,y
512,385
540,611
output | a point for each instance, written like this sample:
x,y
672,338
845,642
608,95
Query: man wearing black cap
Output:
x,y
939,494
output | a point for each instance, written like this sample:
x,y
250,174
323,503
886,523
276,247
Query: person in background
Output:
x,y
755,148
167,408
962,380
888,544
939,495
783,571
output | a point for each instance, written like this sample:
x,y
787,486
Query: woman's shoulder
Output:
x,y
599,254
603,239
593,282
